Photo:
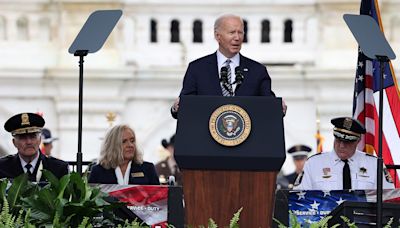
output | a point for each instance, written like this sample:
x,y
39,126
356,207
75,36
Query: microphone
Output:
x,y
239,77
224,75
171,180
224,79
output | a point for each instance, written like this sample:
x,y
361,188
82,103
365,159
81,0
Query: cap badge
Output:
x,y
347,123
25,119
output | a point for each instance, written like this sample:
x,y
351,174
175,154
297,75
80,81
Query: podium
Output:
x,y
363,214
219,179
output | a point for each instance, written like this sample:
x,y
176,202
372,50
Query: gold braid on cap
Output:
x,y
347,131
26,130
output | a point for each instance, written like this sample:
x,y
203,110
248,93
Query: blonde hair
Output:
x,y
111,153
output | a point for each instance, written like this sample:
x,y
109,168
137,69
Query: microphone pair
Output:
x,y
228,85
238,73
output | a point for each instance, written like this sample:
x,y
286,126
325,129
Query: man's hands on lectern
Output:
x,y
175,106
284,107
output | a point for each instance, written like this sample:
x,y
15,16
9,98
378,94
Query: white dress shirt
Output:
x,y
235,62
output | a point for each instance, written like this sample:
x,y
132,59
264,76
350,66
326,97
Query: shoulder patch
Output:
x,y
7,156
370,155
388,177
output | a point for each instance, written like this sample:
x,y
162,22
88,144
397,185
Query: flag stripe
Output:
x,y
389,128
366,100
394,105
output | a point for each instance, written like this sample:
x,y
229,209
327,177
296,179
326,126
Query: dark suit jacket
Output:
x,y
202,78
10,166
144,174
291,178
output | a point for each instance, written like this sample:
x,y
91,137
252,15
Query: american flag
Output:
x,y
312,206
149,203
366,102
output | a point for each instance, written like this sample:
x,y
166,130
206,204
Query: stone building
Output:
x,y
308,49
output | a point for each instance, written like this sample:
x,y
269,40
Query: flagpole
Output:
x,y
382,61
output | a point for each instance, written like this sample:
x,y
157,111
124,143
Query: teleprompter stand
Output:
x,y
89,40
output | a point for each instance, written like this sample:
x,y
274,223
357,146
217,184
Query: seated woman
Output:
x,y
121,162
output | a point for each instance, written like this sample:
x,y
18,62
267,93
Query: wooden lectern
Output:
x,y
217,179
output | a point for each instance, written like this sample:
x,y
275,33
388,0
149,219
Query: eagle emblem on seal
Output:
x,y
230,124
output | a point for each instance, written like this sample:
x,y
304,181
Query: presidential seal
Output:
x,y
230,125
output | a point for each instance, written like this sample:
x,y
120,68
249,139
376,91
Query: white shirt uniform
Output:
x,y
325,172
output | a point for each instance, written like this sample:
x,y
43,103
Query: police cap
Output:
x,y
347,128
299,151
171,142
47,138
24,123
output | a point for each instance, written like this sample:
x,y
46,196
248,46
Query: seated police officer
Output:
x,y
299,154
168,167
345,167
26,131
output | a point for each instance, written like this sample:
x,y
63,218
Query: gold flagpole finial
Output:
x,y
111,116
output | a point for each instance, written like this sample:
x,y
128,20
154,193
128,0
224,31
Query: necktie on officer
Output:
x,y
227,87
28,171
346,175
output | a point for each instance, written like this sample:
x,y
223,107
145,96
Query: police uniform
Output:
x,y
168,166
298,152
325,171
47,141
11,165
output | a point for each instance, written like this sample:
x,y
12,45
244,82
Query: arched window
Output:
x,y
245,31
288,31
22,29
265,30
197,31
174,31
153,31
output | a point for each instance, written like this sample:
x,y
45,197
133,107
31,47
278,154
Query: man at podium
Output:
x,y
226,72
345,167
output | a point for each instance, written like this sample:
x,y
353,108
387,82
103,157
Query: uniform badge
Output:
x,y
363,172
326,172
138,174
